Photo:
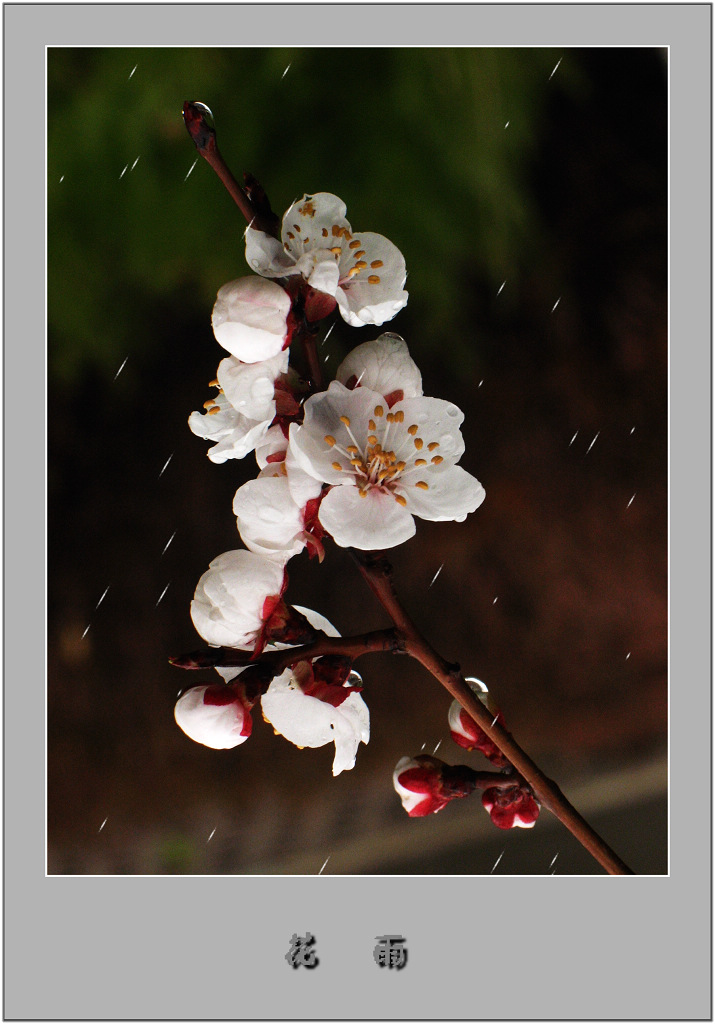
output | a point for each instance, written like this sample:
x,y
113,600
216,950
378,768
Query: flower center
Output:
x,y
389,454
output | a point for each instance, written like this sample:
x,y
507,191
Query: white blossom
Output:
x,y
216,716
234,598
363,271
384,466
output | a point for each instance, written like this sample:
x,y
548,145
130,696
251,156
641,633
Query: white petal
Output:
x,y
376,293
228,602
249,318
214,725
438,421
372,522
250,387
453,494
267,256
309,722
235,435
269,521
383,365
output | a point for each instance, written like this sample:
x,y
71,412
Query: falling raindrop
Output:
x,y
134,165
437,574
437,747
632,429
167,463
102,825
132,71
497,861
553,861
556,304
282,77
480,383
101,598
628,656
86,631
168,542
554,71
123,172
326,861
191,168
423,746
62,178
631,501
495,600
501,287
327,335
120,368
507,124
211,836
573,439
162,593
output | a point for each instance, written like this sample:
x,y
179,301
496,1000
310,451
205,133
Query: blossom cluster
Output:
x,y
426,785
355,462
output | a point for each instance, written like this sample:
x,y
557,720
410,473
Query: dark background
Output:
x,y
486,167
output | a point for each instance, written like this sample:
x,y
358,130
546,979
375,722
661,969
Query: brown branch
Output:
x,y
251,201
351,646
377,572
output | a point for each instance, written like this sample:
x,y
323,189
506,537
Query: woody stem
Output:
x,y
377,572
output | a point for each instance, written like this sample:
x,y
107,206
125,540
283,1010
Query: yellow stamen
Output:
x,y
297,227
325,232
376,263
422,485
337,232
372,425
329,439
436,459
390,417
352,449
212,412
379,411
214,383
359,255
399,417
291,235
345,420
400,466
420,462
354,244
373,279
336,250
207,405
418,443
360,265
372,439
413,429
356,462
400,500
432,445
336,465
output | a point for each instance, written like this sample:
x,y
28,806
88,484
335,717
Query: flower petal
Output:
x,y
376,293
383,365
267,256
228,602
269,521
451,495
250,387
249,318
371,522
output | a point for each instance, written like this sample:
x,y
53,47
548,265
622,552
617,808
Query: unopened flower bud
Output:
x,y
468,734
511,807
217,715
426,785
250,318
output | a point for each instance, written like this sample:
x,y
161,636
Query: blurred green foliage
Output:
x,y
413,140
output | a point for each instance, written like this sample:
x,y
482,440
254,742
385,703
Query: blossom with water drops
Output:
x,y
363,272
217,715
384,365
468,734
383,465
